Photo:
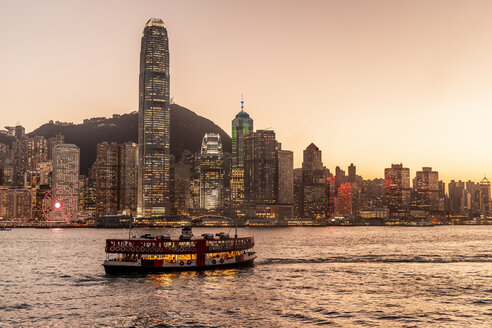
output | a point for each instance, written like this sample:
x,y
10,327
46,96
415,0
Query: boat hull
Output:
x,y
123,269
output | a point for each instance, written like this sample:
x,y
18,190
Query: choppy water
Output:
x,y
304,277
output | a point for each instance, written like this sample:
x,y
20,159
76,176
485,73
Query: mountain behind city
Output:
x,y
187,131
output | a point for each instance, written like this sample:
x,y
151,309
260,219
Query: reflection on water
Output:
x,y
166,279
371,276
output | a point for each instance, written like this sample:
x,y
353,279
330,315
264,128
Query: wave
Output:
x,y
22,306
376,259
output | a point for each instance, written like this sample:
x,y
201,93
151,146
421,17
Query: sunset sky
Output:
x,y
369,82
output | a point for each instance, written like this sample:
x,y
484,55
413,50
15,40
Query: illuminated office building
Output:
x,y
285,177
242,125
107,179
211,166
52,142
180,188
485,197
19,203
261,168
397,189
128,177
314,203
344,200
456,190
66,166
427,189
154,121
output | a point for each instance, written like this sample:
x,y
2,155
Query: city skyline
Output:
x,y
367,82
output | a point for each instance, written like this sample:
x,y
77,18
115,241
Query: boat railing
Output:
x,y
177,247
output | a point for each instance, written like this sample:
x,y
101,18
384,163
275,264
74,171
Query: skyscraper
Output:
x,y
345,199
107,178
427,189
314,204
261,168
285,177
154,121
352,176
211,165
66,165
485,197
52,142
397,189
128,176
456,191
242,126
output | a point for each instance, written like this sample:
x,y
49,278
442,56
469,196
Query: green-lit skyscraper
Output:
x,y
242,125
153,121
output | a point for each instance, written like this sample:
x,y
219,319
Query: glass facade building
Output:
x,y
261,168
427,189
107,176
153,122
212,160
397,189
485,198
313,193
242,125
128,177
285,177
66,166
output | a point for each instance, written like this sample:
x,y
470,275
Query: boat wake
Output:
x,y
377,259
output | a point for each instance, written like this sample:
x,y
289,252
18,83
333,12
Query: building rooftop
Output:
x,y
312,147
155,22
242,114
66,145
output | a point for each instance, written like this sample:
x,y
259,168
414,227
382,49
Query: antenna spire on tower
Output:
x,y
242,103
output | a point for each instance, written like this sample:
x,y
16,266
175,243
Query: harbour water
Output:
x,y
304,277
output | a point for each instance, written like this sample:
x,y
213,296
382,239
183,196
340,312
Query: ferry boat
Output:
x,y
149,254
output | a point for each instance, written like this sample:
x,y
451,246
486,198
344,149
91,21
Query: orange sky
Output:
x,y
369,82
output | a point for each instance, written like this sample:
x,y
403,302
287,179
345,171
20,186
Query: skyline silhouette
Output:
x,y
372,84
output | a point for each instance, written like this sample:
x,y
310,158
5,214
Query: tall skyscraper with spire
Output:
x,y
242,126
154,121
